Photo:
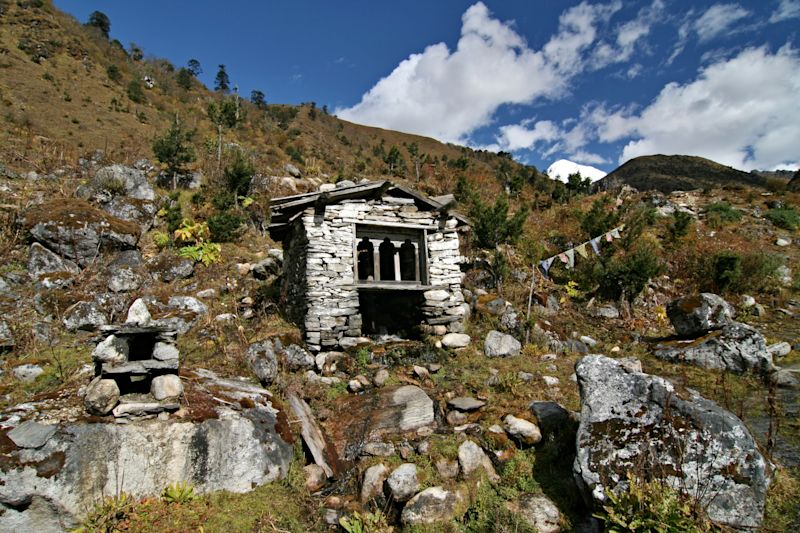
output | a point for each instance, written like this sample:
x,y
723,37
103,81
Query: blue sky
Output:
x,y
594,82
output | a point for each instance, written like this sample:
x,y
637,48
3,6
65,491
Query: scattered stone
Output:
x,y
433,504
497,306
522,430
538,511
166,386
456,418
354,385
588,341
124,280
292,170
135,409
465,403
548,357
84,316
265,268
783,242
471,457
784,275
379,449
551,381
527,377
402,483
27,373
501,345
225,317
207,293
32,434
447,468
169,269
737,348
163,351
187,303
785,378
631,364
102,395
315,477
406,451
6,338
635,421
604,311
262,361
421,372
297,358
747,301
138,314
434,367
696,315
456,340
759,310
372,484
575,346
381,377
779,349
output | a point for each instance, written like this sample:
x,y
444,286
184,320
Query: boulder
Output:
x,y
102,395
79,231
696,315
433,504
297,358
501,345
122,180
169,268
538,511
372,485
124,280
32,434
636,423
524,431
779,349
471,457
84,316
140,459
262,361
455,340
736,348
402,483
42,262
166,386
28,372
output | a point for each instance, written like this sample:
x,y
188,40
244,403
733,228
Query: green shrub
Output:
x,y
223,226
784,217
238,176
113,73
720,213
731,271
135,91
109,513
179,493
600,218
492,224
161,240
726,270
679,227
651,506
624,276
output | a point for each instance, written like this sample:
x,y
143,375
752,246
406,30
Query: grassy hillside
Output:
x,y
66,90
667,173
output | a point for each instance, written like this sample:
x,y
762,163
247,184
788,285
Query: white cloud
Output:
x,y
628,35
449,94
717,19
518,136
787,9
743,112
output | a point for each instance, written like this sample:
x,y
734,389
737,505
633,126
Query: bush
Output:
x,y
624,276
726,270
784,217
223,226
136,92
720,213
730,271
651,506
113,73
600,218
679,227
179,493
238,176
492,225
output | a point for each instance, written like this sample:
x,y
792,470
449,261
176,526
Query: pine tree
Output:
x,y
174,150
100,20
194,67
222,82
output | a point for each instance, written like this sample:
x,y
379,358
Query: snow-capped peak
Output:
x,y
561,170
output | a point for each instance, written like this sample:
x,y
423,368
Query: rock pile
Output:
x,y
136,369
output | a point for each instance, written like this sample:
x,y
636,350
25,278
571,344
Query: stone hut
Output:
x,y
369,259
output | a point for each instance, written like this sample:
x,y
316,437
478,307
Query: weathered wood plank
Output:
x,y
323,453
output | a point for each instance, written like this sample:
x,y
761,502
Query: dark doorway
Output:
x,y
366,259
391,312
387,252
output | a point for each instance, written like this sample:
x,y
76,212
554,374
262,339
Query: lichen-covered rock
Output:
x,y
138,314
636,423
471,457
122,180
538,511
297,358
42,263
402,483
6,338
124,280
501,345
63,478
372,484
84,316
79,231
102,395
456,340
695,315
262,361
113,350
736,348
433,504
522,430
169,268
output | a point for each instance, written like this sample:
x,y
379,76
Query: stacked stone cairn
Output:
x,y
136,369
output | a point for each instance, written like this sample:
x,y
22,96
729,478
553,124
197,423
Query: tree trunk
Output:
x,y
219,146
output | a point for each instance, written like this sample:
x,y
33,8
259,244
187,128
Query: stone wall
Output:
x,y
320,265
